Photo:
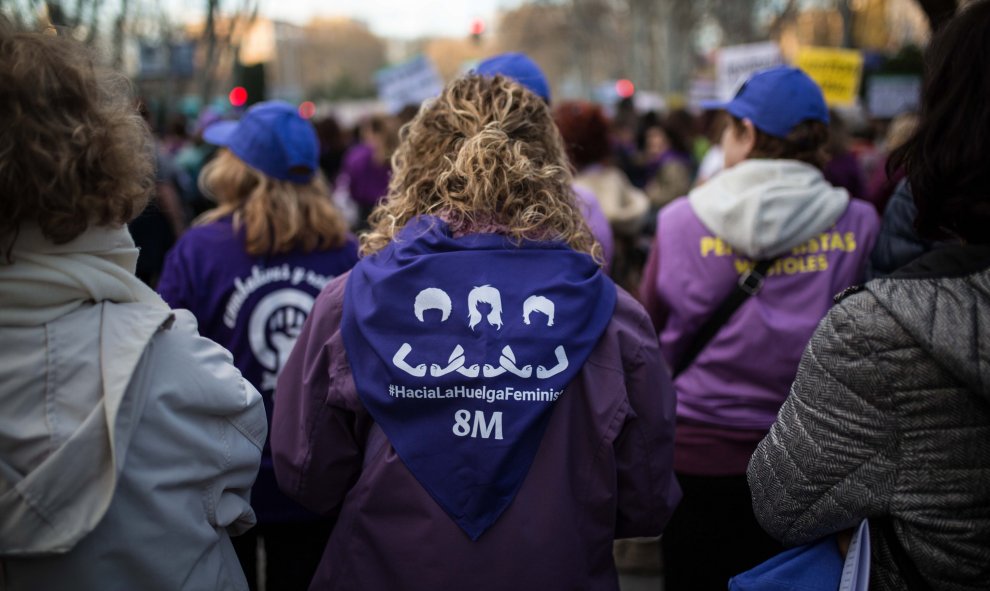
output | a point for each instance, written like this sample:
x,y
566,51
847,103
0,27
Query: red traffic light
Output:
x,y
307,109
625,88
238,96
477,27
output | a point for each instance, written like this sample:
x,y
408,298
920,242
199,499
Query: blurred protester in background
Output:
x,y
770,225
669,169
333,146
625,141
713,161
522,69
366,170
889,416
249,271
481,236
842,168
175,135
685,125
863,143
883,182
128,443
191,159
585,131
163,220
334,143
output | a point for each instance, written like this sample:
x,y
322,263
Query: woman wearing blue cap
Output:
x,y
249,271
773,234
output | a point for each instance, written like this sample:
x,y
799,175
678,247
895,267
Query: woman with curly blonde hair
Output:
x,y
476,401
128,443
249,271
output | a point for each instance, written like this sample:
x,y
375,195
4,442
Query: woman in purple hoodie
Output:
x,y
250,271
772,204
476,402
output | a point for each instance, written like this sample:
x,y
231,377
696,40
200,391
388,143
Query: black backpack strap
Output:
x,y
749,284
908,571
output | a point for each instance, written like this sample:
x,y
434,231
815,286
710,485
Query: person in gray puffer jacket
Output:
x,y
889,416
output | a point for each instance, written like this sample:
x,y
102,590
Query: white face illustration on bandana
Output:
x,y
434,298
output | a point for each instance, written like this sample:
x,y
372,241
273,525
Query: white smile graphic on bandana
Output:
x,y
434,298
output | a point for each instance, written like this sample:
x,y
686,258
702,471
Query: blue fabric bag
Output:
x,y
813,567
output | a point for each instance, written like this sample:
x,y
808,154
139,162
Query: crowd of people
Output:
x,y
264,352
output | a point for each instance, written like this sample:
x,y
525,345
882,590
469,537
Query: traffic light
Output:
x,y
624,88
238,96
307,109
477,28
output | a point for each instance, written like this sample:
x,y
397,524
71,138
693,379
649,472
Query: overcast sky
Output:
x,y
405,19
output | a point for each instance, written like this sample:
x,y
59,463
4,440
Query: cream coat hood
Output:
x,y
48,503
62,498
763,208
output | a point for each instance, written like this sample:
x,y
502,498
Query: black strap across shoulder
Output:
x,y
749,284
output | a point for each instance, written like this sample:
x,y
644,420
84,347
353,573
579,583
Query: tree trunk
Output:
x,y
847,22
210,39
118,36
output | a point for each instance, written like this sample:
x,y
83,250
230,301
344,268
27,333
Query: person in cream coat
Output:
x,y
128,443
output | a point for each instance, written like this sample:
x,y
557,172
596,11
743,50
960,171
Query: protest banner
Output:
x,y
736,63
837,71
889,96
407,83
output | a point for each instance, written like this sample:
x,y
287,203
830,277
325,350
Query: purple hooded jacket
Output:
x,y
603,470
820,240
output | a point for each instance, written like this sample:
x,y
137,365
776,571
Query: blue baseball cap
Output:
x,y
518,67
776,100
271,137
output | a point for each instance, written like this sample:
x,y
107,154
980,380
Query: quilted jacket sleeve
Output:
x,y
830,459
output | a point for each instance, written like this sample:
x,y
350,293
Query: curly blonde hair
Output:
x,y
73,151
484,156
277,216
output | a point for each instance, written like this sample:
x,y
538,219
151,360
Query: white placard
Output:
x,y
889,96
736,63
411,82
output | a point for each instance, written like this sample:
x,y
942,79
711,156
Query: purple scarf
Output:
x,y
460,346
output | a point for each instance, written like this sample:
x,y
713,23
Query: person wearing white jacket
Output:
x,y
128,444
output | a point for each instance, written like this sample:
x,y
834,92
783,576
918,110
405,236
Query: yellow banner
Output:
x,y
837,71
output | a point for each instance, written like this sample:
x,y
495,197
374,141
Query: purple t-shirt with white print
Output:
x,y
255,307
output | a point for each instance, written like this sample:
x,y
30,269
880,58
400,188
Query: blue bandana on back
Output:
x,y
460,347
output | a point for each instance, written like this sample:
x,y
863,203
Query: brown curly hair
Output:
x,y
74,151
277,216
484,155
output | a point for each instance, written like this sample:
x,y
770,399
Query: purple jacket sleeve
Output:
x,y
644,449
312,416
